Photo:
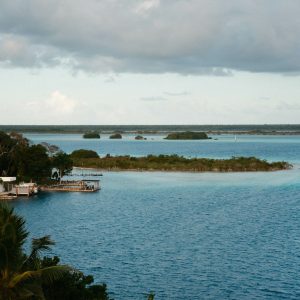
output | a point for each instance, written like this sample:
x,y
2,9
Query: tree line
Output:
x,y
26,161
178,163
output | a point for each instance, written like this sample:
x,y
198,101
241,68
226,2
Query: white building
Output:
x,y
6,183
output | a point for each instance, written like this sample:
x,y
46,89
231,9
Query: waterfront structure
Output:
x,y
84,185
6,184
25,189
10,190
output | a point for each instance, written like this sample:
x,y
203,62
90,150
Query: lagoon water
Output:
x,y
180,235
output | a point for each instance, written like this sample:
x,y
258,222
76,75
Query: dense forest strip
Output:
x,y
179,163
234,129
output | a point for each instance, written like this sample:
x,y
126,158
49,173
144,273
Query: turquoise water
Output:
x,y
266,147
181,235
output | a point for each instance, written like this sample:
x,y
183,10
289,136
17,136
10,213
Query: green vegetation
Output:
x,y
91,135
36,162
139,137
152,129
188,135
151,296
19,158
179,163
63,163
82,153
31,162
29,276
116,136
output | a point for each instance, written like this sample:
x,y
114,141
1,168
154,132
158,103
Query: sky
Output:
x,y
149,62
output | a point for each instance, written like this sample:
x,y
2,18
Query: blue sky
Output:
x,y
149,62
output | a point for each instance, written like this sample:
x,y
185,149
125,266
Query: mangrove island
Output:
x,y
116,136
179,163
91,135
187,135
140,138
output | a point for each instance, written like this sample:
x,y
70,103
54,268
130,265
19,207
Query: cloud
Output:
x,y
57,103
60,103
152,36
286,106
15,50
264,98
110,79
155,98
146,6
175,94
58,108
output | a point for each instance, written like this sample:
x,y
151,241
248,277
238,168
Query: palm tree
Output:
x,y
151,296
21,275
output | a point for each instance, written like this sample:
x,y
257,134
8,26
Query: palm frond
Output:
x,y
12,237
151,296
37,246
42,244
31,290
29,283
21,278
23,293
50,274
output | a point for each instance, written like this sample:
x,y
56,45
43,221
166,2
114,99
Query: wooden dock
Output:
x,y
66,189
86,174
24,189
86,186
7,196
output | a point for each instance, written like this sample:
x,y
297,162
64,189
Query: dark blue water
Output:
x,y
182,235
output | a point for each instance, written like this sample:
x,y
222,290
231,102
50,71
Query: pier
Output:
x,y
91,185
24,189
86,174
7,196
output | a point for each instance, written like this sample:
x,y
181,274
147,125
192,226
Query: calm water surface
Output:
x,y
223,146
181,235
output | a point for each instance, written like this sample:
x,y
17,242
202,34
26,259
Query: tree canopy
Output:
x,y
188,135
82,153
180,163
116,136
63,163
30,162
91,135
29,276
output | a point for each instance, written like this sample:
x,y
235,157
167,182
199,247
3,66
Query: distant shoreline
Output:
x,y
274,129
265,133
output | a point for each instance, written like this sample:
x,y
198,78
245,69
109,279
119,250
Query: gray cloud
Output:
x,y
152,36
110,79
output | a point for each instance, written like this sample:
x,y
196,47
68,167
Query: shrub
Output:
x,y
91,135
82,153
116,136
188,135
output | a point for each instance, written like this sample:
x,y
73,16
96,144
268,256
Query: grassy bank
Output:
x,y
179,163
